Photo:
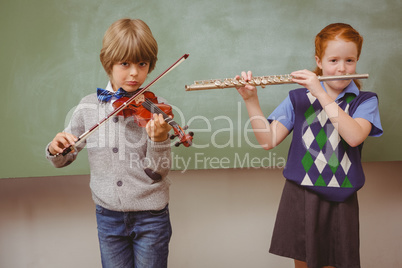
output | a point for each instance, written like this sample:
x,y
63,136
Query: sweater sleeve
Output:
x,y
75,127
158,159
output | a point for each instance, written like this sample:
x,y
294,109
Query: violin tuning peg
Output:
x,y
185,127
177,144
172,136
191,133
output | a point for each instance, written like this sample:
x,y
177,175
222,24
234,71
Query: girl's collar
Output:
x,y
351,88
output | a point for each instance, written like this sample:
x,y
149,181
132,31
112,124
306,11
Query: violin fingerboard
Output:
x,y
150,106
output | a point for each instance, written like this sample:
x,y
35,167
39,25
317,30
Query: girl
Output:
x,y
129,164
317,222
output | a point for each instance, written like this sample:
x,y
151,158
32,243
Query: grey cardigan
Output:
x,y
128,170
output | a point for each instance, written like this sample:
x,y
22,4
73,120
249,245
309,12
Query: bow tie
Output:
x,y
106,95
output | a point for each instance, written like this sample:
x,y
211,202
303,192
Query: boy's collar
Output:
x,y
109,87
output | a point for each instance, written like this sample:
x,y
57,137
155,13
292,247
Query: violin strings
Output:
x,y
150,106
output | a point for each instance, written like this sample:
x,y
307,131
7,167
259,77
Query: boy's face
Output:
x,y
129,76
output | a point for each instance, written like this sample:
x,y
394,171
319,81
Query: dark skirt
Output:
x,y
316,231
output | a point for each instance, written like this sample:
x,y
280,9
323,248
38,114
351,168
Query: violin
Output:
x,y
143,110
178,130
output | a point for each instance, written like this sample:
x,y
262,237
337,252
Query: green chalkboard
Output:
x,y
50,59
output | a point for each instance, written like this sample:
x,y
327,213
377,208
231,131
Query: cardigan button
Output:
x,y
115,119
115,150
119,183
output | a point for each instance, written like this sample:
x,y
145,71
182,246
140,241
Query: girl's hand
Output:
x,y
61,141
248,92
157,128
308,80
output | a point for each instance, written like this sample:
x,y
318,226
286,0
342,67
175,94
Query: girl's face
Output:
x,y
340,58
129,76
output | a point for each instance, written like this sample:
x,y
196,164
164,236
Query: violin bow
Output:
x,y
87,133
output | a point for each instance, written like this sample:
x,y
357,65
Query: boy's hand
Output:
x,y
157,128
61,141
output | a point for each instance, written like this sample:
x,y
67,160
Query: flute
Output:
x,y
262,81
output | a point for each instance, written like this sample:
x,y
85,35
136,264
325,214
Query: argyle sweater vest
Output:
x,y
319,159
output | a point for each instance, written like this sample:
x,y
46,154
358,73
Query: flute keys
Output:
x,y
228,82
236,82
257,81
218,83
273,79
287,78
264,81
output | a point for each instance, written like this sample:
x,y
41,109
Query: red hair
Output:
x,y
332,32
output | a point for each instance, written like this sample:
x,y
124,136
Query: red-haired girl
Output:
x,y
317,223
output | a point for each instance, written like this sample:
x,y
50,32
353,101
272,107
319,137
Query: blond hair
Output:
x,y
128,40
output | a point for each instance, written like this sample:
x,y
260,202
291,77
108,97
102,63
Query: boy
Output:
x,y
128,164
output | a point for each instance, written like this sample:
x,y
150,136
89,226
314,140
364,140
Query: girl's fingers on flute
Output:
x,y
249,75
244,76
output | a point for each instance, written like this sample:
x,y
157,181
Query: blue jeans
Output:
x,y
133,239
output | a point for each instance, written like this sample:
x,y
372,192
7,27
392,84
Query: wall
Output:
x,y
50,60
221,218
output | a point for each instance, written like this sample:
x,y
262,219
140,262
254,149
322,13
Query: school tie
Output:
x,y
105,95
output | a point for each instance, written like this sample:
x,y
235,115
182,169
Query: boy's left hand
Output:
x,y
157,128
